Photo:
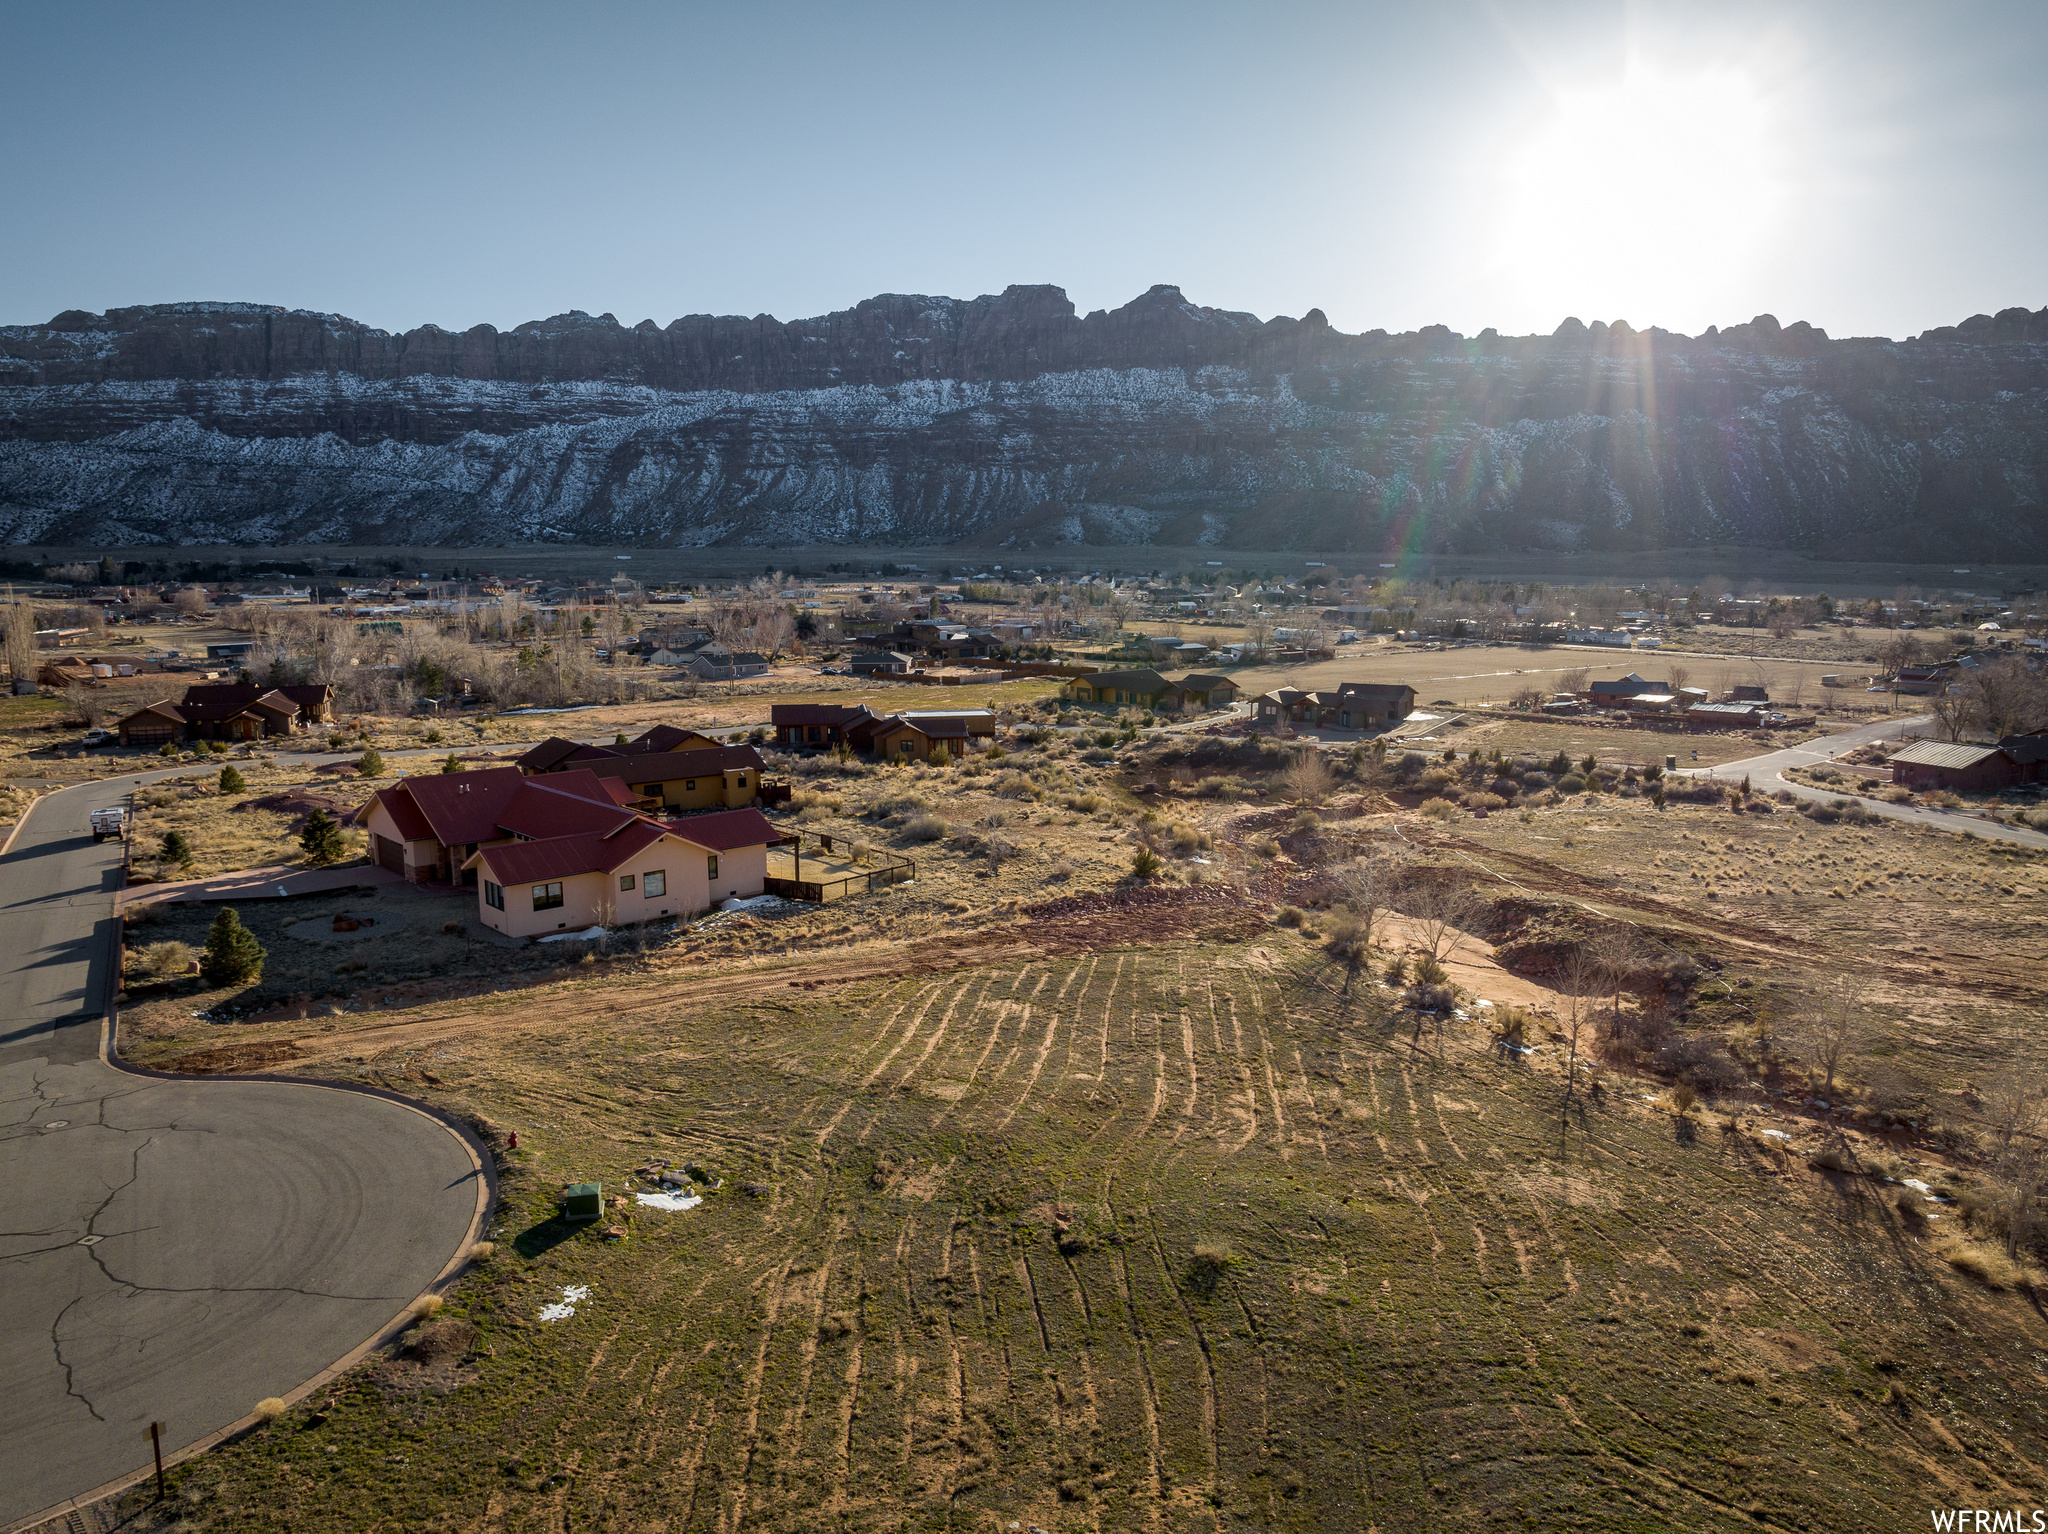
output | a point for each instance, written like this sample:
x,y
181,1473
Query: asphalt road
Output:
x,y
1764,772
175,1250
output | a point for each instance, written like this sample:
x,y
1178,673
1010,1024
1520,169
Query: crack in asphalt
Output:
x,y
70,1384
132,1287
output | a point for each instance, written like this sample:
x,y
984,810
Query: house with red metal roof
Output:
x,y
427,827
641,871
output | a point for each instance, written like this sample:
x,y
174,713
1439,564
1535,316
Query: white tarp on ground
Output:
x,y
674,1203
565,1307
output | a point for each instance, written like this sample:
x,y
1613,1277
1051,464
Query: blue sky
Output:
x,y
1873,168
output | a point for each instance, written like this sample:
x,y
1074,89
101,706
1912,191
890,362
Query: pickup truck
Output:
x,y
106,823
92,738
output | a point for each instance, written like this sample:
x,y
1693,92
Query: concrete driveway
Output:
x,y
1764,776
173,1249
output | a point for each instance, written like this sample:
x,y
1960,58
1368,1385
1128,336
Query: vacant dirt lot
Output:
x,y
1083,1205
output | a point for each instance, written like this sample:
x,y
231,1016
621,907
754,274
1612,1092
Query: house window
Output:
x,y
547,897
494,895
690,786
711,866
814,732
655,885
625,883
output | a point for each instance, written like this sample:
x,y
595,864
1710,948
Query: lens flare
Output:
x,y
1643,198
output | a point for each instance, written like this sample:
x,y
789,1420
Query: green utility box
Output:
x,y
583,1201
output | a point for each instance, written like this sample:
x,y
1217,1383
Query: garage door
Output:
x,y
390,854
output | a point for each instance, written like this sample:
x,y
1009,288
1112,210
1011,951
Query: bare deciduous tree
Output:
x,y
1951,713
1365,888
2016,1179
1824,1036
2004,697
2014,1106
1580,977
1440,913
1899,651
1307,779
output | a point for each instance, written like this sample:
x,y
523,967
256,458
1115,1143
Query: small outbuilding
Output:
x,y
1956,767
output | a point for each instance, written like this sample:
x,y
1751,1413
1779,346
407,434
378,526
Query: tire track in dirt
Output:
x,y
1443,1128
926,998
733,1507
1247,1095
1101,1072
1315,1113
998,1398
1379,1111
1030,1282
998,1015
956,1372
876,1037
1280,1132
1020,1041
1148,1391
906,1361
1211,1430
1158,1101
1105,1091
945,1022
849,1401
789,1438
1415,1115
1260,1347
1187,1049
1052,1024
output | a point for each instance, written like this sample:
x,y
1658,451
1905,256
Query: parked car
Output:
x,y
93,738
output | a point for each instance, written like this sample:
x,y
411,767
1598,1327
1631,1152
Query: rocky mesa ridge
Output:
x,y
1011,420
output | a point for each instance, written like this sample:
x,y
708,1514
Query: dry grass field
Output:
x,y
1492,674
1035,1195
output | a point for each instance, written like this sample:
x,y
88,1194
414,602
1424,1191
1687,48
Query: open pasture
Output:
x,y
1159,1236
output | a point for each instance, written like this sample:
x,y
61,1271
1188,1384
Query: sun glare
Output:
x,y
1642,199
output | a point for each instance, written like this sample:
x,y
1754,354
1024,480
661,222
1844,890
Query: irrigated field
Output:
x,y
1135,1235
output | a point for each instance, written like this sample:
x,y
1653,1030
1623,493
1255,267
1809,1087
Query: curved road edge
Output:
x,y
483,1167
1765,774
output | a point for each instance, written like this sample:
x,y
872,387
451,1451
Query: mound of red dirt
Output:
x,y
299,803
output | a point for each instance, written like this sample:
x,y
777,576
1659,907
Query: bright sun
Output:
x,y
1643,199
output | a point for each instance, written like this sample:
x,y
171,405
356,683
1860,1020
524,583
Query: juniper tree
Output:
x,y
321,840
232,953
